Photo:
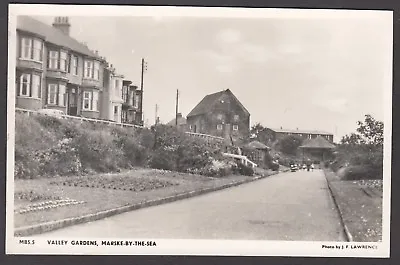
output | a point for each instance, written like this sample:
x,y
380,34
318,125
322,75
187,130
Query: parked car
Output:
x,y
293,167
52,112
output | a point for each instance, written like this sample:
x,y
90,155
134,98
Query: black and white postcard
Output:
x,y
199,131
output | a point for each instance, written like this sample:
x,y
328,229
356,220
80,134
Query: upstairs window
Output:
x,y
220,116
32,49
92,69
73,68
236,117
63,61
53,59
136,102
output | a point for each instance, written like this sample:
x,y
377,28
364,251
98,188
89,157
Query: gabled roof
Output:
x,y
301,131
52,35
256,145
318,142
208,102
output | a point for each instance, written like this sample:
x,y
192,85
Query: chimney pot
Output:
x,y
281,127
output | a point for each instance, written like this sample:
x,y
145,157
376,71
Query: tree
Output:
x,y
368,132
261,134
289,144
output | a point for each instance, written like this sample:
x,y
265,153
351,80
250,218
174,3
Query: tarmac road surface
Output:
x,y
286,206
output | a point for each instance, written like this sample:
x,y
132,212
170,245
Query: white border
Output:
x,y
195,247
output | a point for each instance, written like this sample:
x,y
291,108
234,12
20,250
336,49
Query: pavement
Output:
x,y
287,206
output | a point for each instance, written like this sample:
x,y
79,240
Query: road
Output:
x,y
287,206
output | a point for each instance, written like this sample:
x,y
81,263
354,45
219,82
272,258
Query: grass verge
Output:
x,y
360,208
57,198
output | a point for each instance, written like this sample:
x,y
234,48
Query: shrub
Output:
x,y
274,166
242,169
356,173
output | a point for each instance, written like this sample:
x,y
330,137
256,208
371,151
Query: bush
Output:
x,y
274,166
242,169
356,173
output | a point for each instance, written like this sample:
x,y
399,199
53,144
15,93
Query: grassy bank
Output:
x,y
360,204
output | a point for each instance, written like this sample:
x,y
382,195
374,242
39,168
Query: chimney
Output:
x,y
281,128
62,24
297,128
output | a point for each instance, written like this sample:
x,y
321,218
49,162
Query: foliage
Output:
x,y
289,144
242,169
368,132
261,134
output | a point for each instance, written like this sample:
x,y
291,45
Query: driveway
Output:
x,y
287,206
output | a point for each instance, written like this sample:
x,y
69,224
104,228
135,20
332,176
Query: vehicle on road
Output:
x,y
293,167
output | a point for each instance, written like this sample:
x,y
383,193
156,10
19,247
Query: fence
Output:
x,y
209,138
69,117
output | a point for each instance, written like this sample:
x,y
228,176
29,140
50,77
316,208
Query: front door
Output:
x,y
73,102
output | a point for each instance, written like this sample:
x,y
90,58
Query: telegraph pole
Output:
x,y
144,69
156,120
176,108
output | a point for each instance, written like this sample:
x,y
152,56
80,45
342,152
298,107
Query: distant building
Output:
x,y
112,95
256,152
277,134
220,114
182,124
131,103
318,147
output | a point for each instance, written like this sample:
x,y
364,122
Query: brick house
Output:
x,y
220,114
277,134
55,71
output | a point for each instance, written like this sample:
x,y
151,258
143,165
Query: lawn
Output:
x,y
50,199
361,205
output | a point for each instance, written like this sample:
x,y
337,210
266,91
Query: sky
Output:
x,y
307,73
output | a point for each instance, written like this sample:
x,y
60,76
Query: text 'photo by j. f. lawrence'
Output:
x,y
199,131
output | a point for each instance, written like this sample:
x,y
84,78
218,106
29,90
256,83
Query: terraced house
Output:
x,y
56,71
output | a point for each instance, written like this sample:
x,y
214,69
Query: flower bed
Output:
x,y
115,183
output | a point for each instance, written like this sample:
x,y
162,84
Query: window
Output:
x,y
61,95
115,109
36,86
87,100
63,61
74,65
131,95
31,49
117,88
52,94
26,51
96,70
24,86
37,50
236,118
95,105
309,136
137,99
190,127
235,127
88,69
53,59
219,127
220,116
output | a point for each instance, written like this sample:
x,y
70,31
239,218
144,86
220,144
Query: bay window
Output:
x,y
37,50
36,86
29,85
53,59
131,95
63,61
96,70
73,69
52,94
24,85
90,100
61,95
31,49
136,102
56,94
92,69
